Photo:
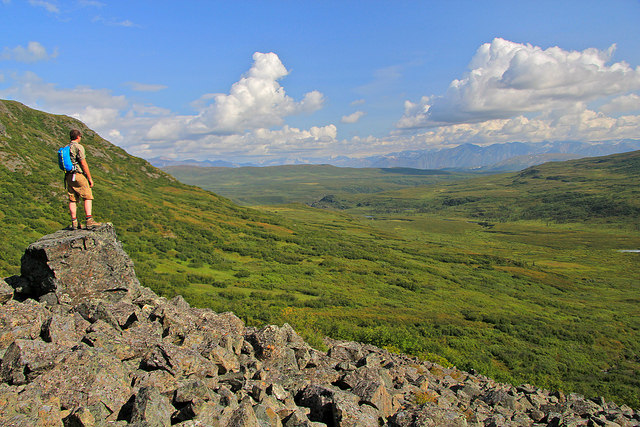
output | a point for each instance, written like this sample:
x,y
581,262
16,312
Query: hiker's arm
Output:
x,y
85,168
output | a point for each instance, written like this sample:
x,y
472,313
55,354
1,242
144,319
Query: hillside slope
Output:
x,y
87,354
595,190
155,214
451,298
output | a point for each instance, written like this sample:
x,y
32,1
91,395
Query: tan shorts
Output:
x,y
79,188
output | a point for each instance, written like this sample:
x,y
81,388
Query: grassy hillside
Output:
x,y
596,190
303,183
501,298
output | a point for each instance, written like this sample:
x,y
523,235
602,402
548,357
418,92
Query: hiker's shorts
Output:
x,y
79,188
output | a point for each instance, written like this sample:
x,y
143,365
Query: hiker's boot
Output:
x,y
92,223
75,225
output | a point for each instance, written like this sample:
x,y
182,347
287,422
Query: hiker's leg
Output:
x,y
87,207
73,209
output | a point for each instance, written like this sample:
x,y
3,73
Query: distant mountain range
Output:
x,y
512,156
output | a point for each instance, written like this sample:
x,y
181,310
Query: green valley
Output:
x,y
518,276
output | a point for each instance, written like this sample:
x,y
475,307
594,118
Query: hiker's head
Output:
x,y
74,134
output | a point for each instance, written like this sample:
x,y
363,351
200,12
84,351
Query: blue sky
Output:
x,y
279,81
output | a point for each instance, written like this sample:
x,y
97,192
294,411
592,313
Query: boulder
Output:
x,y
21,320
26,359
85,377
151,408
6,291
79,265
65,329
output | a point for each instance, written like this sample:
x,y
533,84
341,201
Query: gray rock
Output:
x,y
332,406
65,329
428,415
162,380
192,391
6,291
21,320
78,266
85,377
179,361
151,408
243,416
375,394
267,416
26,359
226,360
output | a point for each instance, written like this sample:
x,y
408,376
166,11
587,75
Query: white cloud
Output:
x,y
245,122
91,3
623,103
256,101
358,102
34,52
145,87
48,6
114,22
508,79
353,118
95,107
580,124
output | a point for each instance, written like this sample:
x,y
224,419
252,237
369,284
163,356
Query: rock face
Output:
x,y
79,266
83,344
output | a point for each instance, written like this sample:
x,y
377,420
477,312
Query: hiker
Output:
x,y
79,182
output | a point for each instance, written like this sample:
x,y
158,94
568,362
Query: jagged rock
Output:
x,y
150,408
179,361
78,266
84,377
346,352
21,320
223,358
299,419
103,335
243,416
142,336
6,291
66,330
333,406
26,359
271,342
266,416
80,417
429,415
162,380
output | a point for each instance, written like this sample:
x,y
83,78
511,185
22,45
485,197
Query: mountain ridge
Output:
x,y
499,157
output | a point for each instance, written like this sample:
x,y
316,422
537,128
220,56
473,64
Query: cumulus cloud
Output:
x,y
249,120
34,52
256,101
95,107
353,118
508,79
623,103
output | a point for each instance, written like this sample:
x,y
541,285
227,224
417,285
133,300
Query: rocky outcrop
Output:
x,y
82,343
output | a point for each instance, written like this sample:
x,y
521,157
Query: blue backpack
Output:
x,y
64,159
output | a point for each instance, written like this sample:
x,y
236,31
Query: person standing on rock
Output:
x,y
79,182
